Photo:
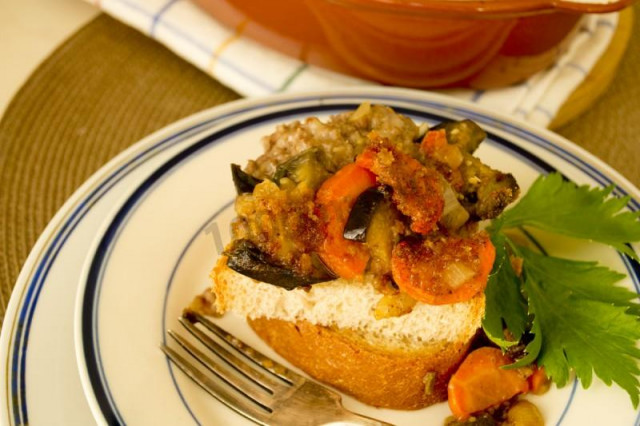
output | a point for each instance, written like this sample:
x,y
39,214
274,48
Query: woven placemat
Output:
x,y
105,88
108,86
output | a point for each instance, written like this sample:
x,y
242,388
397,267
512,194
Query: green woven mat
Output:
x,y
108,86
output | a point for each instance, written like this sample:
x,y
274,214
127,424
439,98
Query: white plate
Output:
x,y
154,254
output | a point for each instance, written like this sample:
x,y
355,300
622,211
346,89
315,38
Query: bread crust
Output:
x,y
390,373
382,377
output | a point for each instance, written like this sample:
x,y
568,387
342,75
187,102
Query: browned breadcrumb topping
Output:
x,y
282,222
417,190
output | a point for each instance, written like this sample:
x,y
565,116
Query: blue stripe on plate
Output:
x,y
200,229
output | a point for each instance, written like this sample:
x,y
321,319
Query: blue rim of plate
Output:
x,y
91,296
28,290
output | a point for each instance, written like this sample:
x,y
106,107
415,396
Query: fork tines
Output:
x,y
258,381
252,384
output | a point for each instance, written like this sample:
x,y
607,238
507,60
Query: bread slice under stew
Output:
x,y
330,332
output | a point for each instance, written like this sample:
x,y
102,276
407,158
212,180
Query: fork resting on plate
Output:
x,y
254,385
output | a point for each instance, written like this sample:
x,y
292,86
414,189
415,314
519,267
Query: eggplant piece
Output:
x,y
247,259
244,182
322,267
465,134
486,192
361,214
382,235
310,166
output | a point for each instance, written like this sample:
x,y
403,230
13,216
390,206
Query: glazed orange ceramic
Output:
x,y
416,43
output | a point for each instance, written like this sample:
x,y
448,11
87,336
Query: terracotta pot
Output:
x,y
416,43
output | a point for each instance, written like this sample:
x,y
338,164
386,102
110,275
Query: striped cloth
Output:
x,y
253,70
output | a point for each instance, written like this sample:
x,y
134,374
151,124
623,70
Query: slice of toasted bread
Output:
x,y
330,332
380,376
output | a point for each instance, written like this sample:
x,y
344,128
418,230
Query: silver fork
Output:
x,y
254,385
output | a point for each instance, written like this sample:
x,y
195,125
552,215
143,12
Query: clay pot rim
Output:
x,y
484,8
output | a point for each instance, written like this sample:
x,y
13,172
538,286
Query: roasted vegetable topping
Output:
x,y
310,167
453,214
310,218
435,145
465,135
444,270
245,258
486,192
243,182
335,198
384,231
417,190
281,222
361,214
480,382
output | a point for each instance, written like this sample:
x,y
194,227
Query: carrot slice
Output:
x,y
417,190
447,270
435,145
433,140
539,382
480,383
336,196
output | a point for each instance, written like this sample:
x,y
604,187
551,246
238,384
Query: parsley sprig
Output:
x,y
572,313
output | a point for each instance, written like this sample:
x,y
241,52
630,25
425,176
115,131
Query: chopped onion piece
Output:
x,y
453,214
451,156
457,274
362,110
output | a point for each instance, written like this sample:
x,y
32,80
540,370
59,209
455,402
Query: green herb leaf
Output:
x,y
533,348
582,321
587,280
503,299
562,207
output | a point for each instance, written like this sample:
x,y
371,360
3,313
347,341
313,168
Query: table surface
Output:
x,y
108,86
35,28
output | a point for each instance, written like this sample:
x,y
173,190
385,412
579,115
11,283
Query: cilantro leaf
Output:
x,y
562,207
503,299
580,326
